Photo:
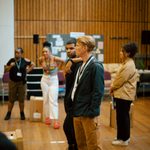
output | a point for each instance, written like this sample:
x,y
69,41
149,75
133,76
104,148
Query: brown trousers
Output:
x,y
17,91
87,133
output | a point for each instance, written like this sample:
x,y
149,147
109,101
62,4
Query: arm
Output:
x,y
67,68
76,60
98,82
9,65
69,63
42,64
98,89
121,77
30,65
40,61
60,61
7,68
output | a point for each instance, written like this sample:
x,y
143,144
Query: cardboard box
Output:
x,y
113,115
36,108
16,137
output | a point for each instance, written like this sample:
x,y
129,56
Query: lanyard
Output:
x,y
18,64
79,74
82,68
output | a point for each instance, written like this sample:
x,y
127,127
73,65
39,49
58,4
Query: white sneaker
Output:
x,y
117,139
120,142
128,140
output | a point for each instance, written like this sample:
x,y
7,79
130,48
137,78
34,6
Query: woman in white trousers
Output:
x,y
49,85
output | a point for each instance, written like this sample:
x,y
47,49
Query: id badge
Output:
x,y
19,74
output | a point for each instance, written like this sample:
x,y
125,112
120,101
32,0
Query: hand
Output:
x,y
27,70
12,64
111,91
45,68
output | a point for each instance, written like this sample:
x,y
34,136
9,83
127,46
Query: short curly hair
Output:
x,y
130,48
20,49
71,41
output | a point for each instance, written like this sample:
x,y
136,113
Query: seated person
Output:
x,y
5,143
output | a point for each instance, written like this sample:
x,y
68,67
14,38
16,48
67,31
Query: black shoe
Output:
x,y
7,117
22,116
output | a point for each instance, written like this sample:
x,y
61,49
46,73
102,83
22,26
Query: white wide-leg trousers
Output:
x,y
49,85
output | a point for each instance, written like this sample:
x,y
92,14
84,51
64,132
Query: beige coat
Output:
x,y
124,84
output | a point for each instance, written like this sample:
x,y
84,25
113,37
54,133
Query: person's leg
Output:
x,y
8,114
45,87
21,106
10,106
126,116
123,119
21,96
53,100
127,135
119,118
80,134
91,128
69,132
12,98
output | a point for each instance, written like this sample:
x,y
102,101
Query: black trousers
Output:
x,y
123,118
69,130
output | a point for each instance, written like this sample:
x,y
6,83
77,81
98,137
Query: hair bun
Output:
x,y
46,44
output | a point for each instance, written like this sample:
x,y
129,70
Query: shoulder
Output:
x,y
10,61
96,67
129,61
27,60
41,58
97,64
129,65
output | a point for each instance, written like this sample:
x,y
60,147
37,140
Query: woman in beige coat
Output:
x,y
123,89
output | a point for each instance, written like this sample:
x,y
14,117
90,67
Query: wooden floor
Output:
x,y
38,136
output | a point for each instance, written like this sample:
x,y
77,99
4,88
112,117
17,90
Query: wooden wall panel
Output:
x,y
148,4
119,21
